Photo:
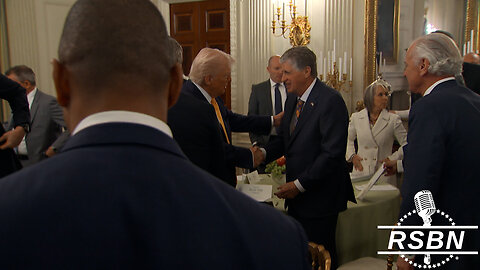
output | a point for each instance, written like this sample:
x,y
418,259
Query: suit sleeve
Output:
x,y
352,135
333,132
425,154
401,135
238,156
16,97
253,110
56,113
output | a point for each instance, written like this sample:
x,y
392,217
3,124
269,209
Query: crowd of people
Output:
x,y
138,168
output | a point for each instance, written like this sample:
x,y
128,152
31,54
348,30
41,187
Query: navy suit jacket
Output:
x,y
315,153
16,97
235,156
442,156
134,201
195,129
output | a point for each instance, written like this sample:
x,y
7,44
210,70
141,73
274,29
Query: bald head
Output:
x,y
106,40
472,58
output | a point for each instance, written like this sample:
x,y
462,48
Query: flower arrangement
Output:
x,y
276,167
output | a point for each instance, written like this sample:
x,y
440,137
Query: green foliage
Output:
x,y
274,169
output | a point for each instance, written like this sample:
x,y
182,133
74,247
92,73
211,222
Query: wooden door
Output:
x,y
196,25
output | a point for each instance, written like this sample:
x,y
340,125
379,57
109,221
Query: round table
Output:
x,y
357,235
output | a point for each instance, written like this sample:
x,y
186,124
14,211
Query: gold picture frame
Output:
x,y
372,35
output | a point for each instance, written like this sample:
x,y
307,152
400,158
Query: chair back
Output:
x,y
313,249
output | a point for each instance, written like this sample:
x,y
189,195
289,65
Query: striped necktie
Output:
x,y
219,117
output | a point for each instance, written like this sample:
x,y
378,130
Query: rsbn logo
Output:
x,y
427,239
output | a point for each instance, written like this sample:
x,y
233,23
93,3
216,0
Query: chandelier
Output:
x,y
298,31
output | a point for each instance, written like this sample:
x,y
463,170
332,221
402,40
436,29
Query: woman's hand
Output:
x,y
357,162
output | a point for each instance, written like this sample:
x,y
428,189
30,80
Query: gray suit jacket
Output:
x,y
260,103
47,126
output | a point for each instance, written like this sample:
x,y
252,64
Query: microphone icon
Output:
x,y
425,207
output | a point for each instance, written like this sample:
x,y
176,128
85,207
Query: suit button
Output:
x,y
376,147
374,158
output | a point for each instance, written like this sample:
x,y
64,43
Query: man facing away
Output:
x,y
209,77
443,141
121,195
47,135
313,138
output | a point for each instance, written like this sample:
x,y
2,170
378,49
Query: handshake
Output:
x,y
258,156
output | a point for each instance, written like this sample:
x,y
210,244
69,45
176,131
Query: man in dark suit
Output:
x,y
47,135
268,98
313,138
209,77
121,194
15,95
442,142
195,129
471,71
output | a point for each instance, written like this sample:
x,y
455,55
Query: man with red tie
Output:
x,y
313,138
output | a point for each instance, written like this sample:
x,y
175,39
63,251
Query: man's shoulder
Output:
x,y
261,86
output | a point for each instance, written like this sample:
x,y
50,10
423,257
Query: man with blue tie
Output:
x,y
121,194
313,138
268,98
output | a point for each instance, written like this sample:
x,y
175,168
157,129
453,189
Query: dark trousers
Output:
x,y
321,231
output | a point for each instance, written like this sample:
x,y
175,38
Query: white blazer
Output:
x,y
375,144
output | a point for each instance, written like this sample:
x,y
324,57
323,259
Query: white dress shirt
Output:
x,y
123,117
22,147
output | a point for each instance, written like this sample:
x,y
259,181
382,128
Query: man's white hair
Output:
x,y
207,62
442,53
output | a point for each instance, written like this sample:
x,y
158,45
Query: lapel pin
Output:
x,y
311,104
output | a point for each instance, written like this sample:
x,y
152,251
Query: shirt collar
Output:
x,y
430,89
204,93
122,117
31,96
272,83
305,95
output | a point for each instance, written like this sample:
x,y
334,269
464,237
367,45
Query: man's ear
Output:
x,y
424,65
307,71
175,85
62,84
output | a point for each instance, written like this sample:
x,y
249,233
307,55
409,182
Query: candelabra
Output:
x,y
299,28
336,80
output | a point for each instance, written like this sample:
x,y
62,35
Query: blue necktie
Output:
x,y
278,100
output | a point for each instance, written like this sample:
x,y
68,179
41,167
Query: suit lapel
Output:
x,y
34,107
268,97
381,123
307,110
365,122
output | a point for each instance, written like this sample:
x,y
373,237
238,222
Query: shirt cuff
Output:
x,y
299,186
399,166
271,118
264,152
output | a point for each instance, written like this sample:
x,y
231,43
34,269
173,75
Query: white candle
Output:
x,y
324,69
340,66
305,8
464,49
351,69
283,13
384,64
380,63
471,41
333,56
321,59
273,11
329,59
345,63
468,47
